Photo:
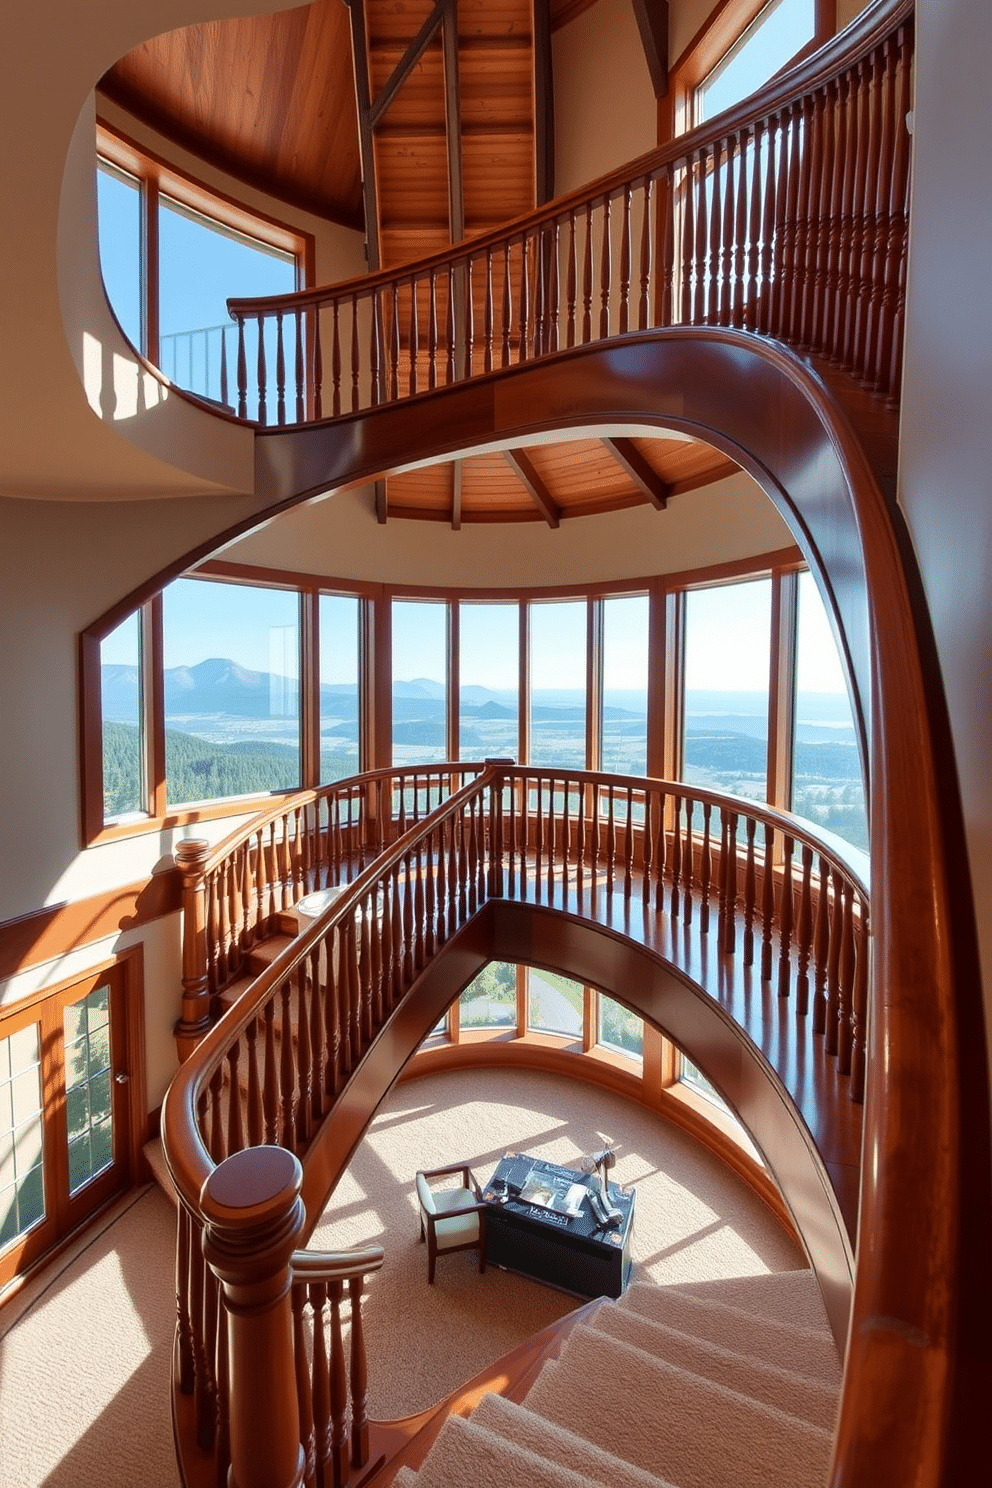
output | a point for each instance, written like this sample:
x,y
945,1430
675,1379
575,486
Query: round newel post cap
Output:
x,y
252,1187
191,853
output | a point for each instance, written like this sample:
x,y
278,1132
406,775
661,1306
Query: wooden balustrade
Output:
x,y
786,216
269,1075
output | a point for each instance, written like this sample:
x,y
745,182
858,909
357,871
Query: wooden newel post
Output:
x,y
253,1216
194,1020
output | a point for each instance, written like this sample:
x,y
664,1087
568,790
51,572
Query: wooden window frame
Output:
x,y
719,33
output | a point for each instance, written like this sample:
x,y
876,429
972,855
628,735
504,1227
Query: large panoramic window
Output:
x,y
124,787
119,214
232,690
727,639
489,681
339,687
624,735
774,37
827,787
420,682
558,684
555,1003
490,1001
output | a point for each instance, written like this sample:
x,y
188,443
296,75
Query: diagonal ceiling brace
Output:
x,y
652,23
539,493
381,502
360,63
407,62
647,479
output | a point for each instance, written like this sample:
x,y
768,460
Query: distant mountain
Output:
x,y
419,687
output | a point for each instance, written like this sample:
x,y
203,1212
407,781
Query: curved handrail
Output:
x,y
786,216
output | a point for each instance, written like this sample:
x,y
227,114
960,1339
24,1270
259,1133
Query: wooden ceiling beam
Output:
x,y
381,502
453,119
644,476
652,23
544,105
456,495
360,61
407,62
539,493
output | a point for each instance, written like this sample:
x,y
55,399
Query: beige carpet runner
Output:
x,y
726,1384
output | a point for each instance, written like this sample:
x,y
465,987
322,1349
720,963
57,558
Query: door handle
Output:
x,y
121,1078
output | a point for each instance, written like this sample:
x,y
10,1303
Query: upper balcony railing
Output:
x,y
786,216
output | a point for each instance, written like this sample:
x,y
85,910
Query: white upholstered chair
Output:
x,y
451,1218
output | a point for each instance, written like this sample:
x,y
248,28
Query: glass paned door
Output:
x,y
64,1136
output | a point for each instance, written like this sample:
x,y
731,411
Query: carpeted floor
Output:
x,y
85,1351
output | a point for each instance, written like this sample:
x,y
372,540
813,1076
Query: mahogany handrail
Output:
x,y
786,216
270,1074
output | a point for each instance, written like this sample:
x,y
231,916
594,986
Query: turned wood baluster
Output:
x,y
611,838
647,850
644,318
317,363
886,126
676,856
705,872
366,989
835,254
432,330
868,213
216,1142
454,885
287,1069
356,356
199,936
666,219
724,852
487,328
554,288
414,337
339,1389
768,225
821,947
523,302
375,959
628,870
551,823
571,282
449,330
354,1003
605,273
332,1016
860,1005
320,1390
253,1094
469,320
687,862
730,924
856,222
305,1082
270,1079
804,932
223,925
304,1385
750,891
751,301
821,196
235,1125
409,963
376,354
507,310
359,1378
805,185
202,1375
587,280
845,1002
262,413
895,286
540,292
242,371
713,271
420,910
785,916
440,870
336,360
701,241
280,371
740,229
285,867
768,904
688,240
727,233
184,1328
660,853
784,262
834,963
625,261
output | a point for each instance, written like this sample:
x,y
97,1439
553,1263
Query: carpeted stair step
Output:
x,y
811,1352
813,1400
512,1422
791,1297
466,1455
675,1424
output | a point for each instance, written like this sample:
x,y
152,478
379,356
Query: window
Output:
x,y
490,1001
619,1028
624,724
172,253
727,640
489,681
774,37
232,690
420,682
558,647
339,687
124,786
827,787
693,1076
555,1003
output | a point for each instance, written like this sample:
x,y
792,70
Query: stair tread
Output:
x,y
516,1423
786,1296
472,1455
810,1351
662,1419
814,1400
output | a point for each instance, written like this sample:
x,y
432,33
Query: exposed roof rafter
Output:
x,y
647,480
539,493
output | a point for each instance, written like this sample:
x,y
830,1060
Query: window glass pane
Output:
x,y
558,684
120,707
693,1076
232,667
490,1001
827,787
201,266
118,199
727,640
775,36
420,682
555,1004
489,676
88,1087
625,685
339,712
22,1185
619,1028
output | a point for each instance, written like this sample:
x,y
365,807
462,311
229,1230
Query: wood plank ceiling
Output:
x,y
448,101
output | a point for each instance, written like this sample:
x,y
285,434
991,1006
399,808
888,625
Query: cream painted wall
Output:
x,y
605,109
340,536
946,444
